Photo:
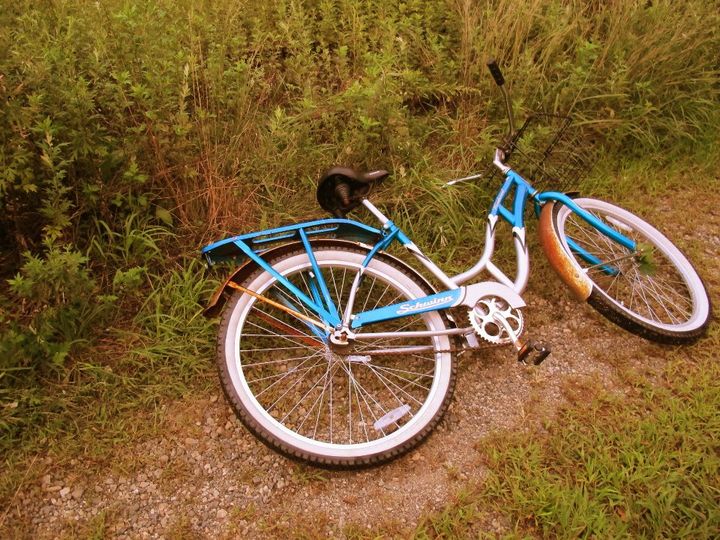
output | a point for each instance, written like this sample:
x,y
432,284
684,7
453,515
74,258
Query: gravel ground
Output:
x,y
207,477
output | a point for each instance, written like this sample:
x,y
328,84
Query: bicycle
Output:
x,y
304,375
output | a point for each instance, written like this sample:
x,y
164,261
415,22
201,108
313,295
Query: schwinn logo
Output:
x,y
417,306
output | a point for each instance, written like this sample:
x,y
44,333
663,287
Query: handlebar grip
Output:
x,y
342,192
495,72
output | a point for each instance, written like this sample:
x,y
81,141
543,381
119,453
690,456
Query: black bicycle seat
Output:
x,y
341,189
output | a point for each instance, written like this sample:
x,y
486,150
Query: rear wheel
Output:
x,y
654,292
333,406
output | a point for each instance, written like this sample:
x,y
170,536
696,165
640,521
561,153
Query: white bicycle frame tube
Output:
x,y
485,263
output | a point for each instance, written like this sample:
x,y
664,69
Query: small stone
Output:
x,y
213,399
221,514
77,492
163,459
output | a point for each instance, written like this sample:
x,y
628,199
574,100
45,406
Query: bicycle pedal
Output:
x,y
533,352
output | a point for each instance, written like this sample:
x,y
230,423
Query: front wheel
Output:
x,y
348,407
653,291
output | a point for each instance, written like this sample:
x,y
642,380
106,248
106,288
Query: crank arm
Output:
x,y
531,352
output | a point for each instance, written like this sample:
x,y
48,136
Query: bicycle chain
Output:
x,y
483,347
460,317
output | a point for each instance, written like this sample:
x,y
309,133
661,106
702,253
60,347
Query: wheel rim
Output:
x,y
660,287
320,400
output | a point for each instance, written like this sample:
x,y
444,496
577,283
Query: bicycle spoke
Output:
x,y
289,373
369,294
418,374
281,325
385,381
407,382
312,408
322,395
648,283
279,361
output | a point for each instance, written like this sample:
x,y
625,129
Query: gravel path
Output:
x,y
207,477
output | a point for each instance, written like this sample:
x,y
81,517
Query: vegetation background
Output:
x,y
132,132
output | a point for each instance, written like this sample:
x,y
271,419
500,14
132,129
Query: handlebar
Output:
x,y
500,81
495,72
504,152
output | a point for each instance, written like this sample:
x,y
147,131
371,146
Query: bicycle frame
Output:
x,y
455,294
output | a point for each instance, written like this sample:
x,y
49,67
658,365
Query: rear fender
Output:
x,y
229,250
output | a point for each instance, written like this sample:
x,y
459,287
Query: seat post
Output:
x,y
375,212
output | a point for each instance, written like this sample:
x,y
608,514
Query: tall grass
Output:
x,y
225,113
131,132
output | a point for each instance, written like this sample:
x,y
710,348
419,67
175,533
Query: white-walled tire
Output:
x,y
315,404
658,295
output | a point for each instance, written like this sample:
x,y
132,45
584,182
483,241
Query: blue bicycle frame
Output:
x,y
319,302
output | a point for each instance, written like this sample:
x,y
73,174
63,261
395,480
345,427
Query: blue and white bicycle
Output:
x,y
335,352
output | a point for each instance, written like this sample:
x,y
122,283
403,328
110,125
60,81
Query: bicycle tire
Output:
x,y
235,366
658,295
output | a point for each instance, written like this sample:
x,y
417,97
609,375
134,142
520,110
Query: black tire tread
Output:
x,y
639,328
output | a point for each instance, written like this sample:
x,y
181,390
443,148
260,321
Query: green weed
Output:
x,y
644,465
303,475
132,132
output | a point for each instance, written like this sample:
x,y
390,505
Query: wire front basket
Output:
x,y
551,154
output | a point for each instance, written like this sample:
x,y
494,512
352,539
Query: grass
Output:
x,y
305,475
642,464
115,392
132,132
166,353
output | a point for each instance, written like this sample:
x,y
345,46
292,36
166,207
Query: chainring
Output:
x,y
482,319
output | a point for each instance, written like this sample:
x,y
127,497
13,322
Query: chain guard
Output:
x,y
482,319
